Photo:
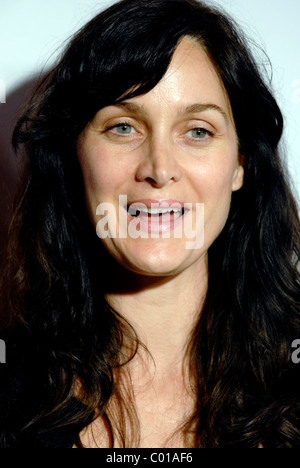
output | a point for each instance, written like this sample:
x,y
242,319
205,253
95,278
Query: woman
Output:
x,y
152,291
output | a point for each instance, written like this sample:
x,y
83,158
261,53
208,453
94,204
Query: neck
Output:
x,y
162,310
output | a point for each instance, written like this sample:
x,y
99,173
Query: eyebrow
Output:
x,y
194,108
191,109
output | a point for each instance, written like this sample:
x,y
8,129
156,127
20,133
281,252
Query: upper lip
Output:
x,y
152,203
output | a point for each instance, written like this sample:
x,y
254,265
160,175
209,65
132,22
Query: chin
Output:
x,y
157,270
157,263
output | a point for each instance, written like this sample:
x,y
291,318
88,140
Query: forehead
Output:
x,y
190,78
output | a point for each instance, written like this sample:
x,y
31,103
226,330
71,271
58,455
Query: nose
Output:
x,y
159,165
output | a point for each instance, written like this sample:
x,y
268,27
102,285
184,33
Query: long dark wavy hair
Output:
x,y
247,387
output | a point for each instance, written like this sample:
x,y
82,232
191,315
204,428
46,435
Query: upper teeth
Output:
x,y
155,211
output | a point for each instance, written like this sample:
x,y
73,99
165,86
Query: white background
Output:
x,y
33,33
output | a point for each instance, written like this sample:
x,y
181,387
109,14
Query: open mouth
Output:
x,y
155,214
156,219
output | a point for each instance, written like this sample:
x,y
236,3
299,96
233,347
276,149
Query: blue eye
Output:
x,y
199,133
123,129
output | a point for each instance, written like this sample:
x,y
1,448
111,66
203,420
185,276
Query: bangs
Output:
x,y
117,57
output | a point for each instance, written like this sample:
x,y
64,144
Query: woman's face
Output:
x,y
173,147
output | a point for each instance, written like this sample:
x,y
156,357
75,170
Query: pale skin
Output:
x,y
161,156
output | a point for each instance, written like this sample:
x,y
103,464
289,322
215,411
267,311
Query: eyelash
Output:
x,y
119,124
209,133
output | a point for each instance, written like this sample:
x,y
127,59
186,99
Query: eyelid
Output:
x,y
123,124
201,123
208,136
189,126
118,123
110,130
197,123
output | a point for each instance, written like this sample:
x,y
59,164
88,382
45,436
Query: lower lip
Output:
x,y
157,224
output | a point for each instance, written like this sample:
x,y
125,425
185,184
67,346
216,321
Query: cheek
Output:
x,y
214,188
216,207
214,182
100,173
